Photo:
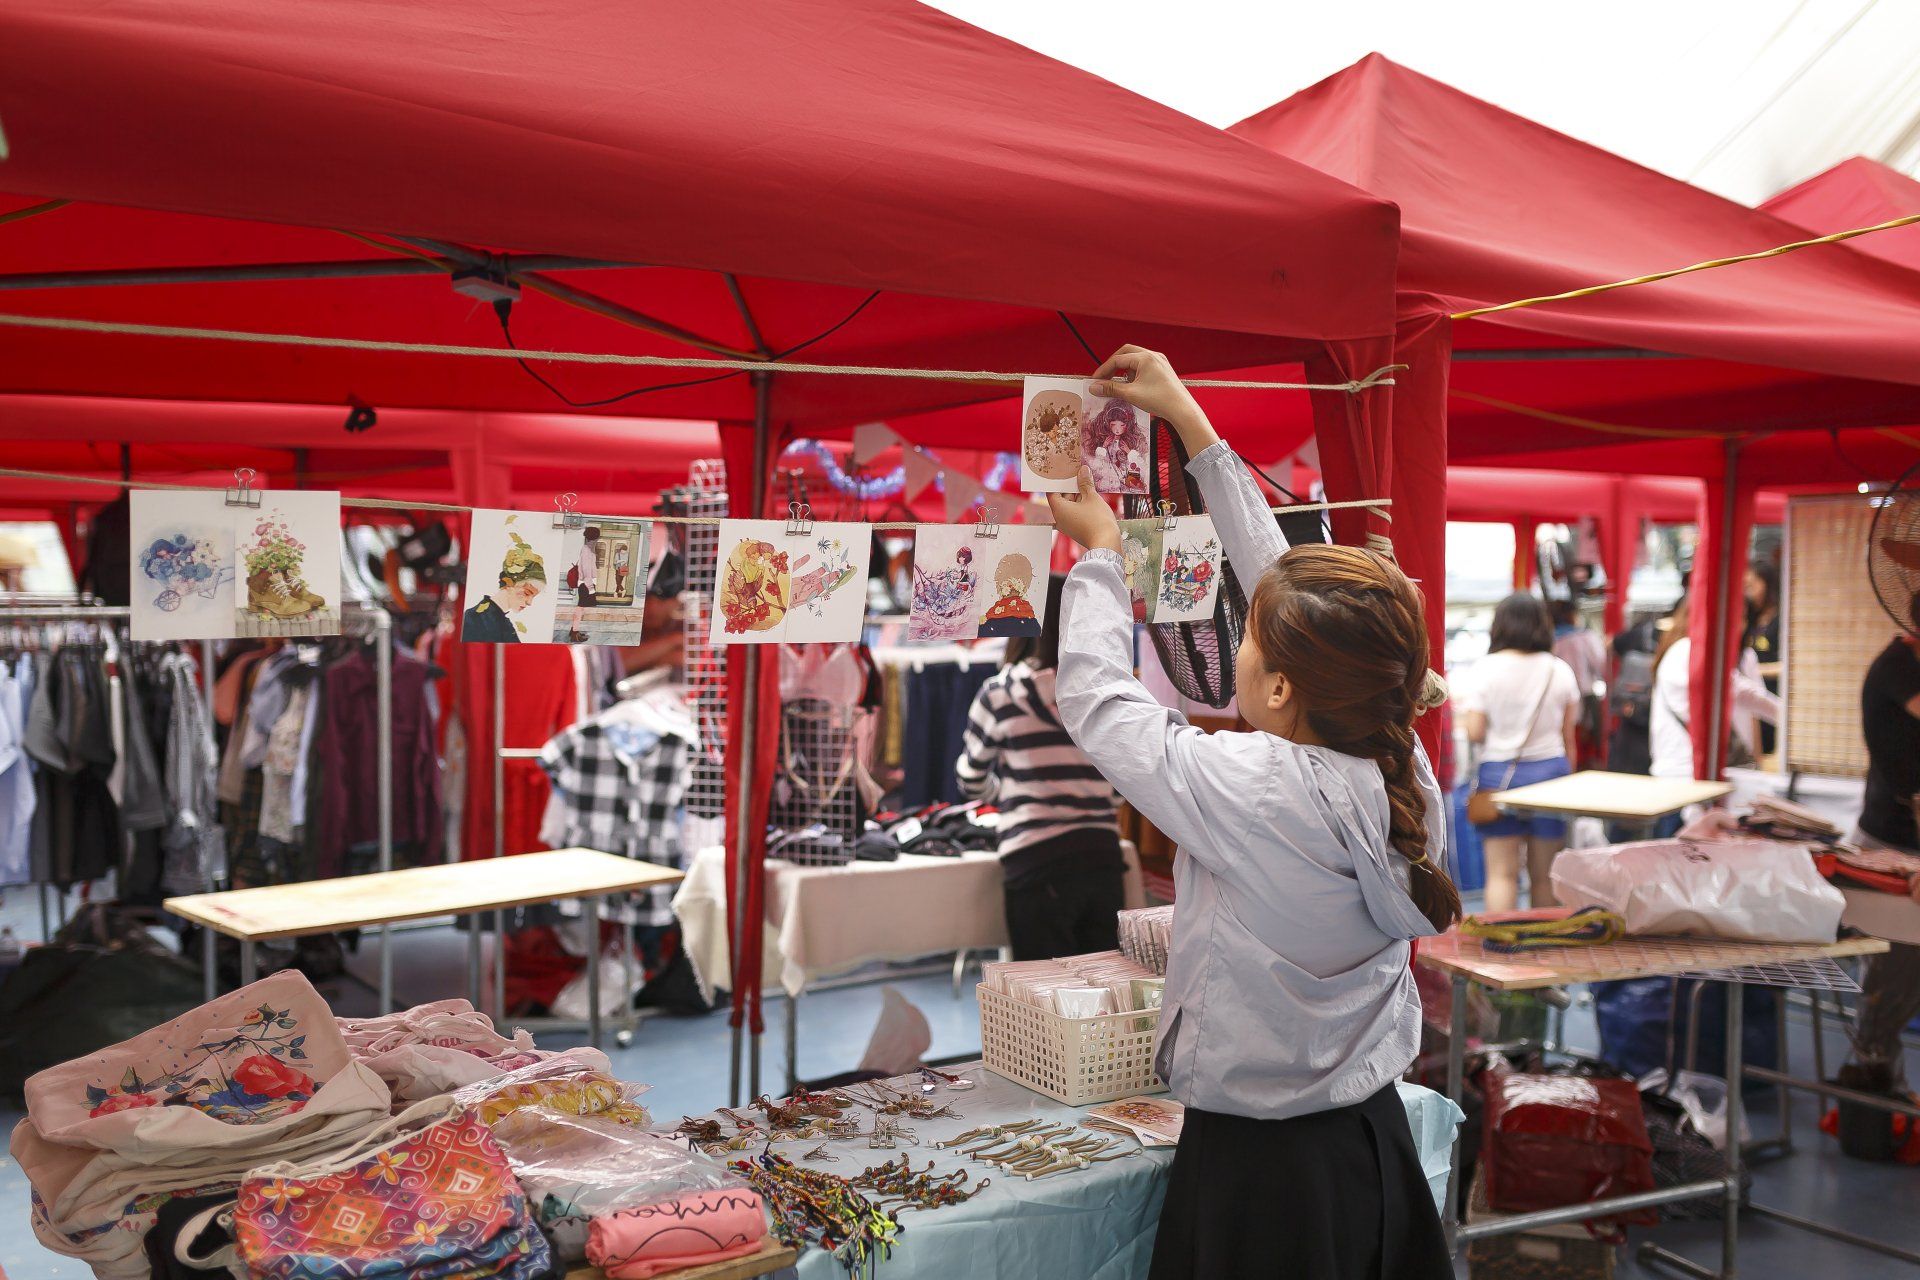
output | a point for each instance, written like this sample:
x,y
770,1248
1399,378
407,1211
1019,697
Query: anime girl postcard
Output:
x,y
183,565
514,577
1064,426
946,584
1013,577
287,580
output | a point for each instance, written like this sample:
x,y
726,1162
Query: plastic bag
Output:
x,y
576,1082
1703,1098
577,1168
1751,890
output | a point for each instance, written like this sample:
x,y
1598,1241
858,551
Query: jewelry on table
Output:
x,y
812,1207
989,1131
889,1133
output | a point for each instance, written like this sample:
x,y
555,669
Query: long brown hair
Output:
x,y
1349,632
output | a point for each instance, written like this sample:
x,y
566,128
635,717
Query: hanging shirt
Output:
x,y
1288,987
16,773
622,789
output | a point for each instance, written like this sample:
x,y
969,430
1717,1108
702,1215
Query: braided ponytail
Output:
x,y
1349,630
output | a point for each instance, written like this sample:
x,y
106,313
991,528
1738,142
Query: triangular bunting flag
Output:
x,y
1309,454
922,467
962,492
870,440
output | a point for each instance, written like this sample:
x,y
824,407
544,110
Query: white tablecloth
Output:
x,y
827,920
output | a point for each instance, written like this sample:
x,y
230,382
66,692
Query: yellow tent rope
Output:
x,y
1658,276
33,211
64,324
1586,424
1375,506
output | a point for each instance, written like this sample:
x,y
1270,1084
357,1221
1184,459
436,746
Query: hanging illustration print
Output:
x,y
1189,577
288,579
796,587
513,563
1064,426
603,562
182,555
1140,554
945,585
1015,569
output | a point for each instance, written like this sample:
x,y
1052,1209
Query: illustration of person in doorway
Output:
x,y
587,581
1011,613
620,564
523,576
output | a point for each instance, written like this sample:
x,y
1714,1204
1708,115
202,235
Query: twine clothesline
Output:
x,y
65,324
1380,507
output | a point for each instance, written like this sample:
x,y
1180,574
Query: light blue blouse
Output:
x,y
1288,988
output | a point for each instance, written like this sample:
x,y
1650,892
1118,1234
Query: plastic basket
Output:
x,y
1075,1060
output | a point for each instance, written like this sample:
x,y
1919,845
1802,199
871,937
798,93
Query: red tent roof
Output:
x,y
1495,207
818,151
1857,193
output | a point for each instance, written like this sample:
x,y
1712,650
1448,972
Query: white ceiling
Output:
x,y
1743,97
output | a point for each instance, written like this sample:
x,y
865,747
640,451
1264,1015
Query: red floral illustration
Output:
x,y
124,1102
270,1078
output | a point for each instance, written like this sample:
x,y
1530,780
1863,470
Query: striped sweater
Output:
x,y
1019,756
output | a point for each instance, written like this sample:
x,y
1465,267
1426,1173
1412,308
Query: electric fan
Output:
x,y
1893,551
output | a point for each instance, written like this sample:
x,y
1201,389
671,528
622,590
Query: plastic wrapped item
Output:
x,y
1559,1140
1749,890
576,1082
578,1168
436,1048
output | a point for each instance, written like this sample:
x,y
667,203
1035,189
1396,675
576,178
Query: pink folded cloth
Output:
x,y
688,1231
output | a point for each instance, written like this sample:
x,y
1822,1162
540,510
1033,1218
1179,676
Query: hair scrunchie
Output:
x,y
1433,692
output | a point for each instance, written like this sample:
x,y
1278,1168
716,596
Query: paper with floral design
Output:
x,y
946,584
1064,426
288,576
773,586
1187,585
182,565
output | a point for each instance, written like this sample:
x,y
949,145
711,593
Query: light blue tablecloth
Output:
x,y
1090,1224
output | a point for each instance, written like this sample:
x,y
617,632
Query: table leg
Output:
x,y
1456,1085
592,906
793,1044
386,969
1783,1094
247,970
474,995
209,963
1819,1037
1652,1254
500,962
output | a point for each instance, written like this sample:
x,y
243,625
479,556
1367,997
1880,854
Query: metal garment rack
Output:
x,y
363,617
97,613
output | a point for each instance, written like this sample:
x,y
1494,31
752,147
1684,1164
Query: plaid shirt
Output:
x,y
622,790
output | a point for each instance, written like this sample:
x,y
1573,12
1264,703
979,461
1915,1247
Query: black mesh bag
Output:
x,y
1198,656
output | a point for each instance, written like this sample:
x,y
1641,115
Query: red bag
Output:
x,y
1561,1140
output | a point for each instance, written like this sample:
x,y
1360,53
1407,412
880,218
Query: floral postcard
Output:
x,y
772,586
287,581
1064,426
183,564
1014,565
1188,583
946,584
604,579
753,582
515,575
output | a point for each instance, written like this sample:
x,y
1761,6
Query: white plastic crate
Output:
x,y
1076,1060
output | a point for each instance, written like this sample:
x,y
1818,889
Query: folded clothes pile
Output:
x,y
436,1048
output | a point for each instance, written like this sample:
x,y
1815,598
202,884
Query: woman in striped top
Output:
x,y
1059,841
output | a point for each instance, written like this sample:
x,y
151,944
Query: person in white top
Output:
x,y
589,567
1671,734
1522,709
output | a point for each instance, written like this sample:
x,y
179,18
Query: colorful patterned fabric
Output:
x,y
431,1198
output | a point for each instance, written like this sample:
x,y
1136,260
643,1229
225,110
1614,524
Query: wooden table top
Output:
x,y
417,893
1454,952
1626,797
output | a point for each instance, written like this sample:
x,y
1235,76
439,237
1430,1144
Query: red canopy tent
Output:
x,y
1496,208
871,181
1857,193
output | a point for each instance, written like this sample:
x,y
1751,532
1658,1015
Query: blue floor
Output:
x,y
685,1060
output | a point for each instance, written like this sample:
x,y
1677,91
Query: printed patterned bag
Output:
x,y
428,1195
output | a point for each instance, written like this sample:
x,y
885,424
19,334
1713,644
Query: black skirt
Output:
x,y
1337,1195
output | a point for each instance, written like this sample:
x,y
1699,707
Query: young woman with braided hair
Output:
x,y
1310,856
